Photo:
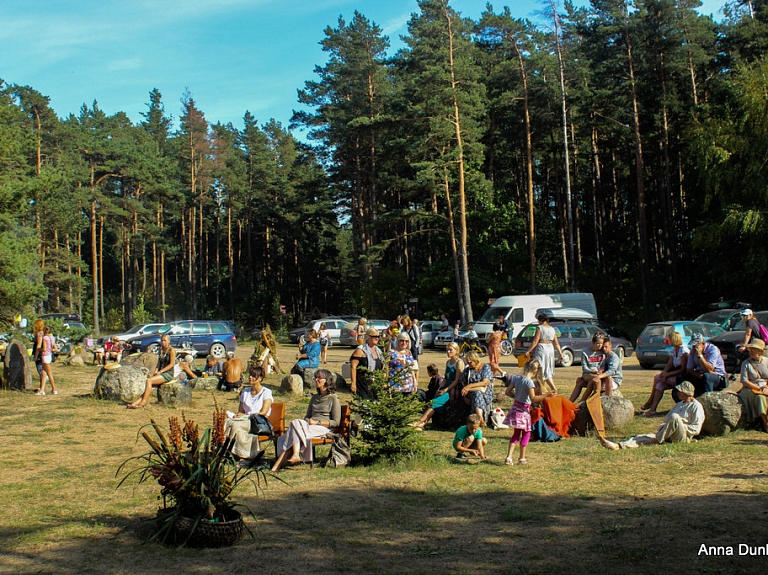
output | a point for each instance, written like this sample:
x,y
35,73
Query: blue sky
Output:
x,y
233,55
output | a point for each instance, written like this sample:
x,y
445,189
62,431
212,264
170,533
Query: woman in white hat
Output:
x,y
754,382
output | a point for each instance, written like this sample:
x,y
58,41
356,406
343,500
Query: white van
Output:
x,y
520,310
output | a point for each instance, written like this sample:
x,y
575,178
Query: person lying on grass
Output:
x,y
469,438
682,423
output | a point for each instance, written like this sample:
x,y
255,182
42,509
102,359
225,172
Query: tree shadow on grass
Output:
x,y
428,530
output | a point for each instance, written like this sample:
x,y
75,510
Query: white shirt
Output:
x,y
253,403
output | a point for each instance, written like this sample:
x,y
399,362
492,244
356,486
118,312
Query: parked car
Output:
x,y
66,317
653,345
232,325
348,335
332,324
728,341
726,318
135,331
429,329
443,338
574,336
207,337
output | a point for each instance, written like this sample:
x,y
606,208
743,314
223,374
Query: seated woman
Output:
x,y
670,376
323,415
309,354
754,381
255,399
477,390
454,368
166,370
115,351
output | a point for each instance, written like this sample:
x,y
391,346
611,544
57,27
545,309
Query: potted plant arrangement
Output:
x,y
197,474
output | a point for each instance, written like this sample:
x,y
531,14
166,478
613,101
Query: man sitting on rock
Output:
x,y
232,375
682,423
705,369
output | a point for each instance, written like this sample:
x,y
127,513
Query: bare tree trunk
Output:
x,y
452,230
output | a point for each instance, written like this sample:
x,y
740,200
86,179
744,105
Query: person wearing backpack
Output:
x,y
753,329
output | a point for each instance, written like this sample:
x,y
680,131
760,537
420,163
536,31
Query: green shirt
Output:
x,y
463,432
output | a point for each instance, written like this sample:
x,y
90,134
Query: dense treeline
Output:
x,y
619,149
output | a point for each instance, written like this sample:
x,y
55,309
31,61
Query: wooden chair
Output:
x,y
277,419
342,429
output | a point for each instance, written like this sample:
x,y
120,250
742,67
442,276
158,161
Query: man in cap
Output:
x,y
682,423
705,368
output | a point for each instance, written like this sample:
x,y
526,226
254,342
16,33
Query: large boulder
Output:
x,y
76,360
292,384
124,383
17,369
617,412
174,393
204,383
722,413
146,359
309,377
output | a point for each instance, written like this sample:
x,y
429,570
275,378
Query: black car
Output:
x,y
574,335
728,341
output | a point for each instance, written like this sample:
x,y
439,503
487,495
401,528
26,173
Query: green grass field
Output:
x,y
576,508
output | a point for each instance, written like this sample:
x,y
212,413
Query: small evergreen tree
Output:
x,y
384,432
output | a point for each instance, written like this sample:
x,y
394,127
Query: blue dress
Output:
x,y
313,355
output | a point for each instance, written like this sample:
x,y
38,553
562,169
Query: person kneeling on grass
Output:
x,y
469,438
682,423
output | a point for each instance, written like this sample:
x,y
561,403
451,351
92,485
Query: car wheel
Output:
x,y
567,358
620,353
218,350
506,347
154,348
645,365
302,340
483,350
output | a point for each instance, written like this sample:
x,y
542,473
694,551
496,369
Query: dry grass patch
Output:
x,y
577,507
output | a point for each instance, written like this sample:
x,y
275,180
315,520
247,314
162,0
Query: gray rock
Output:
x,y
617,412
76,360
125,383
309,378
174,393
723,413
292,384
17,368
203,383
148,360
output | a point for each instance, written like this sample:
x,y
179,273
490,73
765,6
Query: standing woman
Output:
x,y
364,359
543,349
412,331
401,365
325,341
37,346
361,330
477,380
494,350
46,350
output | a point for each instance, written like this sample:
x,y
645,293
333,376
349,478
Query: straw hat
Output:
x,y
756,343
686,387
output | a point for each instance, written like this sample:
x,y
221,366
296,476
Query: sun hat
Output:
x,y
756,343
746,311
372,332
686,387
696,338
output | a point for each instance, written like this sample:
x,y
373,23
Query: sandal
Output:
x,y
522,461
54,393
645,406
508,461
136,406
650,414
41,392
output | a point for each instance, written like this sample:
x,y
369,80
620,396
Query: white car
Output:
x,y
135,331
429,330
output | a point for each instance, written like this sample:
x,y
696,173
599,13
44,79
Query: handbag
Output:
x,y
260,425
324,341
340,454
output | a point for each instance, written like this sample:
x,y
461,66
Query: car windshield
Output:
x,y
135,329
493,313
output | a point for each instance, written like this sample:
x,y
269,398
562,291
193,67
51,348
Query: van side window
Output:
x,y
516,316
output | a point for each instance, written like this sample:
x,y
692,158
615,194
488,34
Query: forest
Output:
x,y
619,148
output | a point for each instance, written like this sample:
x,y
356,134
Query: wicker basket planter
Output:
x,y
207,533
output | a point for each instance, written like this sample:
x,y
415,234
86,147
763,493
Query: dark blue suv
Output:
x,y
206,337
